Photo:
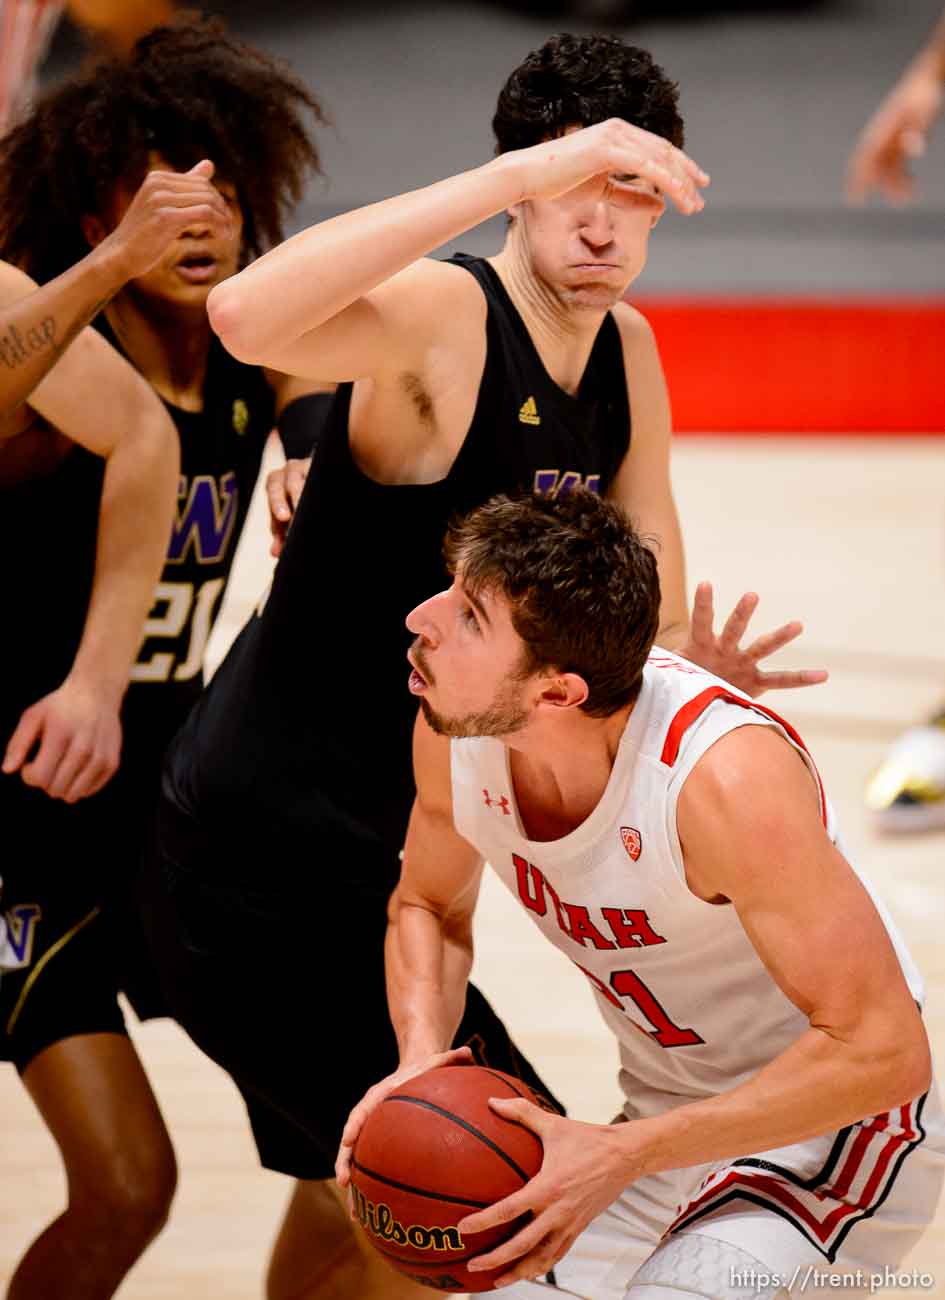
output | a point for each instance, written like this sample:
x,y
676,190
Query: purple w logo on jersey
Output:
x,y
552,483
205,522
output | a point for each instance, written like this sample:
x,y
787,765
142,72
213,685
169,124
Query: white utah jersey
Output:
x,y
677,979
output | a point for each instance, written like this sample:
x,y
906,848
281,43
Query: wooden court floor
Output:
x,y
847,534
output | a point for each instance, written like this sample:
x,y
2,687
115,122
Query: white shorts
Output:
x,y
852,1203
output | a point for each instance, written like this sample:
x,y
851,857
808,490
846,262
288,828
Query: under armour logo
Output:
x,y
502,802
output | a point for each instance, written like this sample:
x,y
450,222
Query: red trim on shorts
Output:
x,y
760,1180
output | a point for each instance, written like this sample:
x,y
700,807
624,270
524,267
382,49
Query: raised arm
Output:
x,y
429,946
75,730
312,306
37,323
643,484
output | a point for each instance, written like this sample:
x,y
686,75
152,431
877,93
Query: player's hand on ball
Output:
x,y
68,743
374,1096
585,1167
725,656
283,490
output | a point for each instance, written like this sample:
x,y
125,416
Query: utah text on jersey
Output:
x,y
620,927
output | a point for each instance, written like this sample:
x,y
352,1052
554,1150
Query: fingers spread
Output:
x,y
737,621
774,641
787,681
703,614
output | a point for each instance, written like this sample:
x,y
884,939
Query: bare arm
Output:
x,y
76,727
896,133
750,827
312,306
429,949
37,323
643,487
75,730
821,939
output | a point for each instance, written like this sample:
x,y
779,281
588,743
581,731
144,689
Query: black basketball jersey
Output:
x,y
48,531
311,708
221,450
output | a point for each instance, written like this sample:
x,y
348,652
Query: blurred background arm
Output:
x,y
896,133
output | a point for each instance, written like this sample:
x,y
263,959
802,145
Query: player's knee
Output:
x,y
340,1269
693,1266
128,1196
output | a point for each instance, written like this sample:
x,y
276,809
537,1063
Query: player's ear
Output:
x,y
93,228
563,691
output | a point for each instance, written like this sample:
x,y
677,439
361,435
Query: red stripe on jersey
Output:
x,y
695,707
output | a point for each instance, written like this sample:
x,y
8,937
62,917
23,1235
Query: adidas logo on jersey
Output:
x,y
528,413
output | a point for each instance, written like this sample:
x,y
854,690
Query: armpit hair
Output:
x,y
414,388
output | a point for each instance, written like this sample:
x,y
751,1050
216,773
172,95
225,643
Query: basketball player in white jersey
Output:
x,y
672,838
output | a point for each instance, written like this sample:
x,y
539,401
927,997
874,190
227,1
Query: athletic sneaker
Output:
x,y
907,791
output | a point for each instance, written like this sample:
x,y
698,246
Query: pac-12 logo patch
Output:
x,y
631,841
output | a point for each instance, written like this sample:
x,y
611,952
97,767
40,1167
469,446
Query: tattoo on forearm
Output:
x,y
18,346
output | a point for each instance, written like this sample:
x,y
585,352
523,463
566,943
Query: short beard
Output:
x,y
502,718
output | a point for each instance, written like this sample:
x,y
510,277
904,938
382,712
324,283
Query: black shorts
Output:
x,y
70,930
286,991
57,964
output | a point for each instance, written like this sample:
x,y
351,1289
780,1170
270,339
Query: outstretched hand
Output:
x,y
724,656
585,1167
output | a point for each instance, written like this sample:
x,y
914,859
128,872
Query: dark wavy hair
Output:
x,y
582,586
189,91
582,80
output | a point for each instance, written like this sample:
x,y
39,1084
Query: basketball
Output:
x,y
430,1154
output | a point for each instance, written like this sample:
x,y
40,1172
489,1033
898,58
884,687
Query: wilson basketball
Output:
x,y
432,1153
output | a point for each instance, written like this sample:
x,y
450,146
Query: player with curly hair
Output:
x,y
128,193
